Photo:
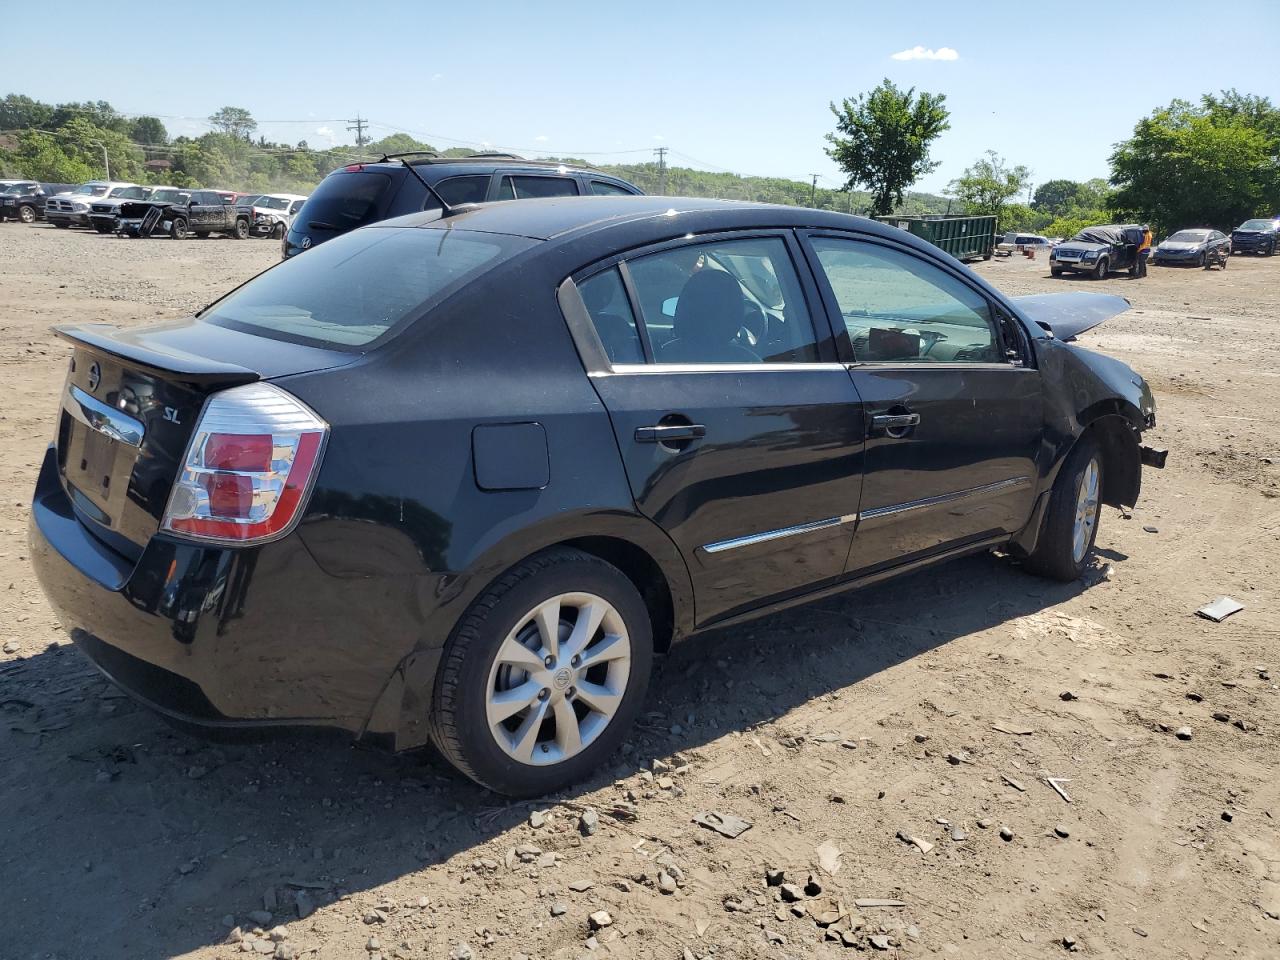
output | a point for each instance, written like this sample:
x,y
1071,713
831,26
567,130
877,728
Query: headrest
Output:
x,y
710,308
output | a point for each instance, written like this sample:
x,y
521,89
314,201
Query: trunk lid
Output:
x,y
131,402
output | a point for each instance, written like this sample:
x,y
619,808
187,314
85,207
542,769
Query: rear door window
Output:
x,y
345,201
458,190
730,301
602,188
525,188
352,290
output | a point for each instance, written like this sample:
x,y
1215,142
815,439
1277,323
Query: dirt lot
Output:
x,y
930,709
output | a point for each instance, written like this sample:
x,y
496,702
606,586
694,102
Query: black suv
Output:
x,y
1261,236
364,193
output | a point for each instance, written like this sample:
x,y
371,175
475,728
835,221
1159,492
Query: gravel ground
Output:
x,y
891,745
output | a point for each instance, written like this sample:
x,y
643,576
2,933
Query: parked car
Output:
x,y
104,214
25,200
72,208
1197,247
208,212
1261,236
326,500
1017,242
364,193
273,213
1096,251
133,218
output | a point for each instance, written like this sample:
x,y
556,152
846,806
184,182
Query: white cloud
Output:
x,y
658,136
541,138
326,132
925,53
437,76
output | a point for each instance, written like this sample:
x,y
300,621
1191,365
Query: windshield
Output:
x,y
250,201
169,196
1190,236
92,189
19,188
272,203
1256,225
352,290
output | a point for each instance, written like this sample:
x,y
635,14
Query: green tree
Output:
x,y
1055,197
81,139
21,113
882,140
396,143
148,130
234,121
1215,164
989,184
97,112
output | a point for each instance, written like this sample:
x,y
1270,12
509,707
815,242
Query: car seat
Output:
x,y
709,315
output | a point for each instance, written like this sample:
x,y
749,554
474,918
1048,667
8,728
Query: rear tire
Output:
x,y
595,690
178,229
1071,520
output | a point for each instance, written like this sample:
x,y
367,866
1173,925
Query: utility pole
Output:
x,y
662,170
813,189
358,125
106,162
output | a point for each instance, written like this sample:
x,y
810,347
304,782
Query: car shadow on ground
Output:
x,y
159,835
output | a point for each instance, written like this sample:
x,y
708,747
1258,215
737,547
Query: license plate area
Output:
x,y
97,450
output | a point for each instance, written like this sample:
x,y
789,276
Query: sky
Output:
x,y
741,86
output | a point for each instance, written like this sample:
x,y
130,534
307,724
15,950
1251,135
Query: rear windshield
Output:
x,y
344,201
356,288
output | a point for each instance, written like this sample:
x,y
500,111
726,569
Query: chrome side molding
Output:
x,y
722,545
108,421
877,513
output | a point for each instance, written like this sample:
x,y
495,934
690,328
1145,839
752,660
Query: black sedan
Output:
x,y
1192,248
458,479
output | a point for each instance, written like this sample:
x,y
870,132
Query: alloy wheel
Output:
x,y
558,679
1086,510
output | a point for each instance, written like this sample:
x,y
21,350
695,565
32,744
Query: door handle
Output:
x,y
669,433
895,425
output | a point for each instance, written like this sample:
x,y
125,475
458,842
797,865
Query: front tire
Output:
x,y
277,232
1100,271
241,231
103,227
544,674
1055,271
1071,521
27,214
63,226
178,229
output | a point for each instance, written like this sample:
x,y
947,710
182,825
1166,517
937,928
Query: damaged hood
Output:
x,y
1067,315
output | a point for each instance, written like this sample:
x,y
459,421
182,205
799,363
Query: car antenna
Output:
x,y
446,208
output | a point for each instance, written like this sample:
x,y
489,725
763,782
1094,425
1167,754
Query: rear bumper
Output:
x,y
214,635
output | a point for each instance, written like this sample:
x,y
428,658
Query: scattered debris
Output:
x,y
1013,731
790,893
589,822
958,835
1006,834
879,941
1150,529
1219,609
1228,816
1067,695
923,845
1062,831
774,878
1013,783
828,857
1221,717
725,824
867,903
581,886
600,919
1183,733
1056,783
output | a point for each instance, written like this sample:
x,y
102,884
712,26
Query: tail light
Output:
x,y
249,467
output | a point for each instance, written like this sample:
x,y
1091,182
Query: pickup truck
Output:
x,y
72,208
25,199
207,212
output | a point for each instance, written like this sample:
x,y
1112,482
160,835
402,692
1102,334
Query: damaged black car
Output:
x,y
458,479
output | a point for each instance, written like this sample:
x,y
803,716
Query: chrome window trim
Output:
x,y
763,537
656,368
96,415
877,513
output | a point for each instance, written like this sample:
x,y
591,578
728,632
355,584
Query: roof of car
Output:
x,y
545,219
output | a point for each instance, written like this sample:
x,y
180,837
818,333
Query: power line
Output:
x,y
813,189
662,170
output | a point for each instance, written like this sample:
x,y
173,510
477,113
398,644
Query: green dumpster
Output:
x,y
965,238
